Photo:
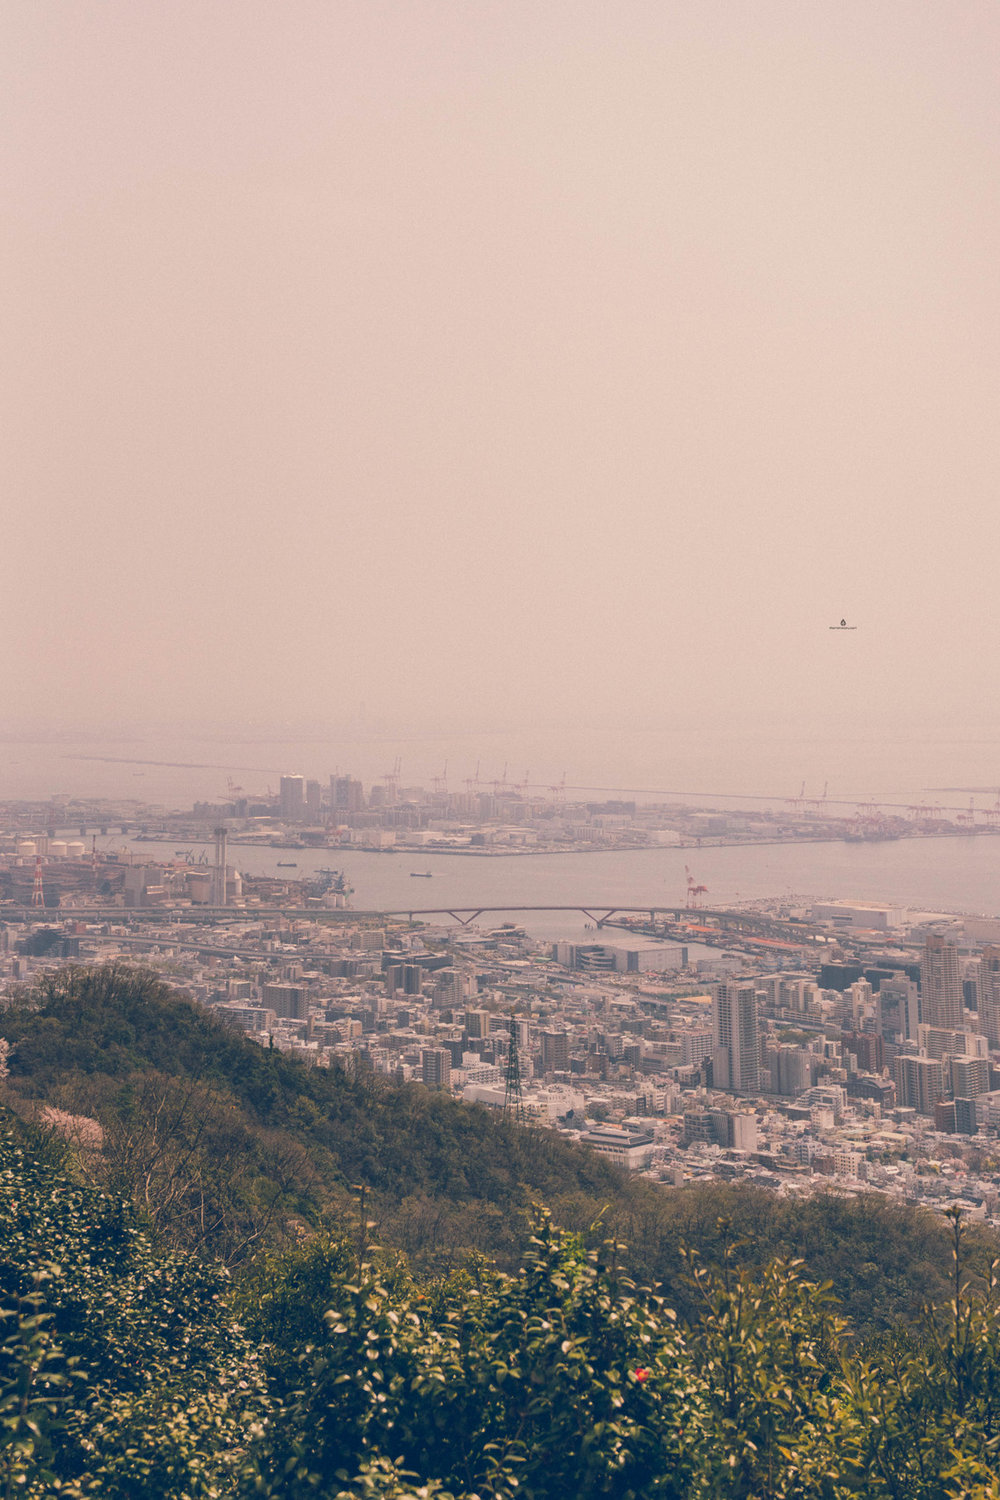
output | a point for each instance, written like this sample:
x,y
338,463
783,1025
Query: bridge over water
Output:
x,y
601,913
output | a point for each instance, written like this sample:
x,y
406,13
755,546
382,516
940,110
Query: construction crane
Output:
x,y
818,804
967,817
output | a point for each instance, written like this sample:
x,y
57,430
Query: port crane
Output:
x,y
391,779
694,891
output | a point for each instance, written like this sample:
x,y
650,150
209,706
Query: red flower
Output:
x,y
641,1375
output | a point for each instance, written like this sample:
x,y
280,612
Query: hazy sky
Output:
x,y
500,362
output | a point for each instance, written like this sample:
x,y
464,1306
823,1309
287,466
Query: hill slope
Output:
x,y
227,1147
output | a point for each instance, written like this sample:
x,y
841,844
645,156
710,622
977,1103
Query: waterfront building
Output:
x,y
292,797
346,795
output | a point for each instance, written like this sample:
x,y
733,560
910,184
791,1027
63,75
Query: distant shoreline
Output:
x,y
423,850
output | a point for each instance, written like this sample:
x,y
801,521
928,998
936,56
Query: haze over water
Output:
x,y
738,761
503,385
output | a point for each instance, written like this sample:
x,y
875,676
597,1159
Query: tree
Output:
x,y
166,1387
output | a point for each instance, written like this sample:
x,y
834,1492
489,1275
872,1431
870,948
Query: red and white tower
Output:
x,y
38,890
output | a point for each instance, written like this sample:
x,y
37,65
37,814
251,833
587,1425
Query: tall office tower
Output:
x,y
435,1067
554,1047
989,995
346,794
941,985
314,801
897,1009
293,798
919,1082
736,1037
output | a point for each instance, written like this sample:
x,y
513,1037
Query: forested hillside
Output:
x,y
205,1293
226,1148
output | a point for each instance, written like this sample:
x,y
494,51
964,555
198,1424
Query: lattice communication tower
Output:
x,y
513,1096
38,889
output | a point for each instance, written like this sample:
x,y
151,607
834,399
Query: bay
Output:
x,y
926,874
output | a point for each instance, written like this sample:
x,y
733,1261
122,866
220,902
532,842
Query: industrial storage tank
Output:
x,y
26,848
57,849
75,849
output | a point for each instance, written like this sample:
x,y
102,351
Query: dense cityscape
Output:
x,y
828,1046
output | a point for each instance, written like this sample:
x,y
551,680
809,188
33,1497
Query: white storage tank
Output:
x,y
75,849
26,848
57,849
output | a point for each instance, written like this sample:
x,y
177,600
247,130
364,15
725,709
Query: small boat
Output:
x,y
287,864
420,874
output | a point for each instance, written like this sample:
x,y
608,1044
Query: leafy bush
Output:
x,y
124,1372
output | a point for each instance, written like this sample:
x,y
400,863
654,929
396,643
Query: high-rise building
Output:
x,y
736,1037
989,995
314,801
435,1067
935,1041
554,1047
897,1009
793,1070
867,1047
919,1082
941,984
293,798
286,1000
970,1077
695,1044
346,794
